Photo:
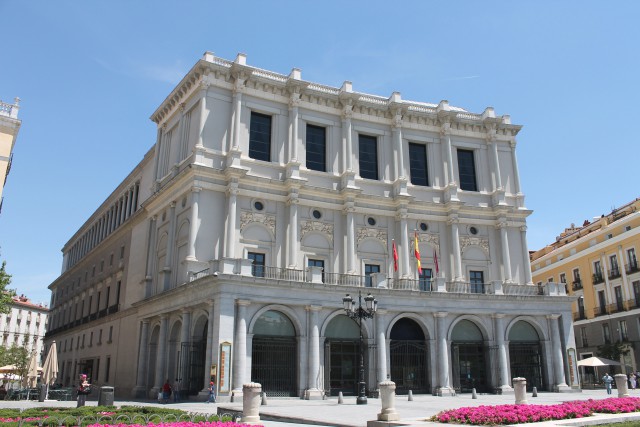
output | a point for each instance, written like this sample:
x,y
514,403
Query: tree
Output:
x,y
613,351
6,295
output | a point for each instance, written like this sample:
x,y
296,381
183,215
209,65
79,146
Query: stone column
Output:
x,y
229,247
491,141
525,254
313,390
388,400
558,364
293,228
294,101
237,109
520,388
194,223
455,244
445,132
347,138
404,241
506,257
443,388
251,403
208,351
140,389
240,353
381,345
351,231
622,385
503,384
151,255
170,245
161,356
202,113
626,293
396,131
516,175
185,337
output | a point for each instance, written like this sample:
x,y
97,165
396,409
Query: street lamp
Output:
x,y
359,313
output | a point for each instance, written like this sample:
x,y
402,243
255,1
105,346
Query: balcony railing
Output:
x,y
614,273
600,311
579,316
632,267
597,278
616,307
466,288
423,285
632,303
577,284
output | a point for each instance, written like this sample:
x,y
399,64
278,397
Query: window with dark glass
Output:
x,y
257,268
317,263
467,170
260,137
476,282
368,155
316,148
418,164
370,269
424,280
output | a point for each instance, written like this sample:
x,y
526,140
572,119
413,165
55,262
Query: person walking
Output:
x,y
212,393
176,390
607,380
84,388
632,381
166,391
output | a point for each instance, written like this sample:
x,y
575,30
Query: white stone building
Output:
x,y
227,251
24,325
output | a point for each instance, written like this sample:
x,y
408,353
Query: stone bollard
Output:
x,y
534,393
340,399
621,384
264,399
251,403
474,395
388,399
410,396
520,388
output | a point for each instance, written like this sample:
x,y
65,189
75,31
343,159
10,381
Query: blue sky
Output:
x,y
91,73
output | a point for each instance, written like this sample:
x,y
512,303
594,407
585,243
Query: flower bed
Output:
x,y
517,414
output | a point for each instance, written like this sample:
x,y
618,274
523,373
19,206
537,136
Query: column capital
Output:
x,y
196,189
294,100
315,308
185,310
553,316
145,321
490,135
242,302
172,205
453,219
513,143
523,228
501,223
440,314
445,126
396,121
498,315
347,111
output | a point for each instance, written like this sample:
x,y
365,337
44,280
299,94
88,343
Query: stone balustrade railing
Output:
x,y
10,110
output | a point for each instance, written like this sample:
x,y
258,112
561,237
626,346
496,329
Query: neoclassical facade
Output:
x,y
265,200
24,325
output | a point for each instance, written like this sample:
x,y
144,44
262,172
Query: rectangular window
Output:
x,y
257,268
467,170
317,263
110,333
121,252
636,292
107,369
370,269
606,333
476,282
550,280
602,301
425,280
260,137
624,334
100,337
581,308
563,278
583,335
418,164
316,148
368,155
91,339
576,275
632,261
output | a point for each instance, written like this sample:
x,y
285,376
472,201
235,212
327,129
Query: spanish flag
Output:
x,y
416,251
395,256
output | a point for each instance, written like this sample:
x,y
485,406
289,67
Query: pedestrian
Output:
x,y
176,390
166,391
633,380
212,392
84,388
607,380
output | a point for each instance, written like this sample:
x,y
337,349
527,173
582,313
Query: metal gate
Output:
x,y
526,362
344,357
469,367
191,366
273,364
409,362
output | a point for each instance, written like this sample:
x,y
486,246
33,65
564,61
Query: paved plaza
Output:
x,y
281,412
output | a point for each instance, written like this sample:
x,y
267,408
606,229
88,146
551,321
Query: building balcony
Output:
x,y
614,273
632,303
579,316
616,307
632,267
576,284
597,278
600,311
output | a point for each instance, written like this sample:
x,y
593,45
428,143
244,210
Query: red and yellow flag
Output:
x,y
416,251
395,256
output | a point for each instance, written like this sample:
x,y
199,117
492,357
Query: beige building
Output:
x,y
24,325
598,263
9,128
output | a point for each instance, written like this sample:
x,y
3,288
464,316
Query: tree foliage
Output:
x,y
18,356
6,294
613,351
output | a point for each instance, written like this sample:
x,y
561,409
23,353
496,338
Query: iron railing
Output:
x,y
597,278
614,273
632,267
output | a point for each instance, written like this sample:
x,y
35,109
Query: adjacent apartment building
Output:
x,y
226,253
24,325
597,262
9,128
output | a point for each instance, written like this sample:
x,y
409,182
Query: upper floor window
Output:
x,y
316,148
467,170
624,334
316,263
368,155
606,333
476,282
370,269
563,278
257,269
576,275
418,164
583,335
424,279
260,137
631,260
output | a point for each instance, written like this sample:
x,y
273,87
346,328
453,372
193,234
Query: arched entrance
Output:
x,y
409,357
468,358
525,355
191,363
342,356
274,354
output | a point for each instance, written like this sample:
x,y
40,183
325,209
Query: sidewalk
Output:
x,y
281,412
